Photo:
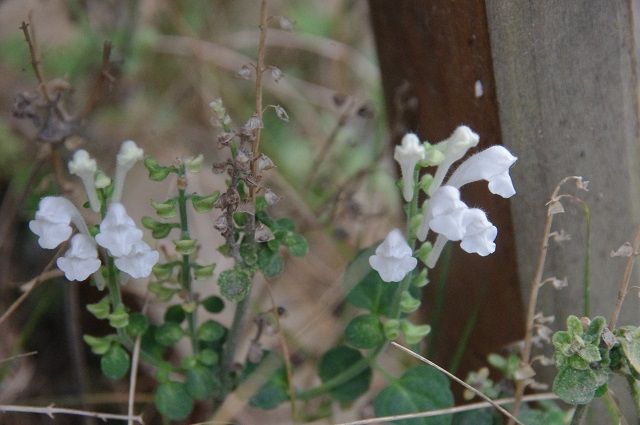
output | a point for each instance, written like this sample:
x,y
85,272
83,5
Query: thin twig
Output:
x,y
626,278
450,410
51,411
104,76
31,285
458,380
18,356
133,377
36,63
536,284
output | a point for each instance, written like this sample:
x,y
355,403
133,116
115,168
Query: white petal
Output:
x,y
455,147
394,245
449,225
53,219
489,164
407,155
443,214
118,232
139,262
501,184
56,209
50,234
480,233
81,260
392,269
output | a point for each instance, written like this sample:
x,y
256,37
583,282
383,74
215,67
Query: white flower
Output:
x,y
129,154
393,259
408,154
118,232
53,219
492,165
443,214
81,260
479,233
455,147
83,166
139,261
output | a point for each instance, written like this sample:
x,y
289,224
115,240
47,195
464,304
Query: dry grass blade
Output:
x,y
450,410
458,380
52,411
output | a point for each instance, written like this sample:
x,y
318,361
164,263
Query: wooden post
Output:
x,y
437,74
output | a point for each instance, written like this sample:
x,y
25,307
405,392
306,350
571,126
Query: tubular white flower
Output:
x,y
129,154
83,166
118,232
53,219
81,260
139,262
456,146
393,259
492,165
479,233
443,214
408,154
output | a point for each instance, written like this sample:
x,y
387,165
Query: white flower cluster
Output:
x,y
444,212
118,232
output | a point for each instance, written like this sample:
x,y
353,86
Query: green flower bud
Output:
x,y
189,307
163,271
98,346
204,204
156,171
423,252
413,334
194,164
162,292
166,209
100,309
119,318
158,230
408,304
391,329
102,181
420,279
203,272
186,246
425,182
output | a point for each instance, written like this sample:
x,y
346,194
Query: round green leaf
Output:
x,y
115,363
337,360
201,383
575,386
234,283
270,261
213,304
364,332
173,401
208,357
421,388
210,331
168,334
297,244
174,314
138,324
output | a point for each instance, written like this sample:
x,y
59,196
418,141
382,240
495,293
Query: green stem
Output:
x,y
185,275
466,332
634,386
229,351
587,264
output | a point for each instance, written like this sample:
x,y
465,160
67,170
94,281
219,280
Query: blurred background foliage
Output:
x,y
169,61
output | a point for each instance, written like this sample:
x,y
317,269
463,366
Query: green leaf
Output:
x,y
249,253
364,332
201,383
335,361
213,304
168,334
631,350
161,291
297,244
115,363
261,204
158,229
186,246
138,324
475,417
273,392
101,309
421,388
208,357
175,314
575,386
574,326
204,204
165,270
234,283
270,262
173,401
372,294
202,272
210,331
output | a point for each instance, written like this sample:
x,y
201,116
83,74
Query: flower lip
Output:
x,y
53,219
81,260
393,259
443,214
408,154
139,262
492,165
118,232
480,234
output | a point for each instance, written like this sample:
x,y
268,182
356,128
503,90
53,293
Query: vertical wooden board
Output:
x,y
431,55
566,81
